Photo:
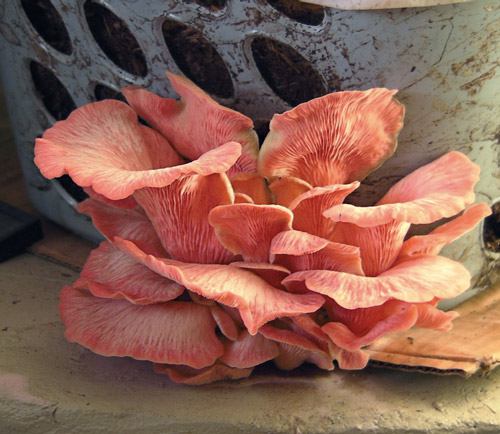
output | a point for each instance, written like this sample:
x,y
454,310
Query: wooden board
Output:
x,y
62,247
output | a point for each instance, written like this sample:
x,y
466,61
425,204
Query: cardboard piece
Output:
x,y
472,345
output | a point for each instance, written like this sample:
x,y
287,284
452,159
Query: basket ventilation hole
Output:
x,y
213,5
197,58
115,39
491,229
261,128
48,23
302,12
75,191
51,91
104,92
286,72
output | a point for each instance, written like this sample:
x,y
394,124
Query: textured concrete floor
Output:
x,y
50,386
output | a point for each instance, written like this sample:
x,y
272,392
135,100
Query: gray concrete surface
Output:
x,y
50,386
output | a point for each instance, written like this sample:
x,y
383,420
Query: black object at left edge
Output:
x,y
18,231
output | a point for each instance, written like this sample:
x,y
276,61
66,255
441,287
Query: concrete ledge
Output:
x,y
50,386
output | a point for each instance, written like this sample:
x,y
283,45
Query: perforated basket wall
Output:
x,y
260,57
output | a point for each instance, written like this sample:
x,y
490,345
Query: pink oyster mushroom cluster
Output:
x,y
220,257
